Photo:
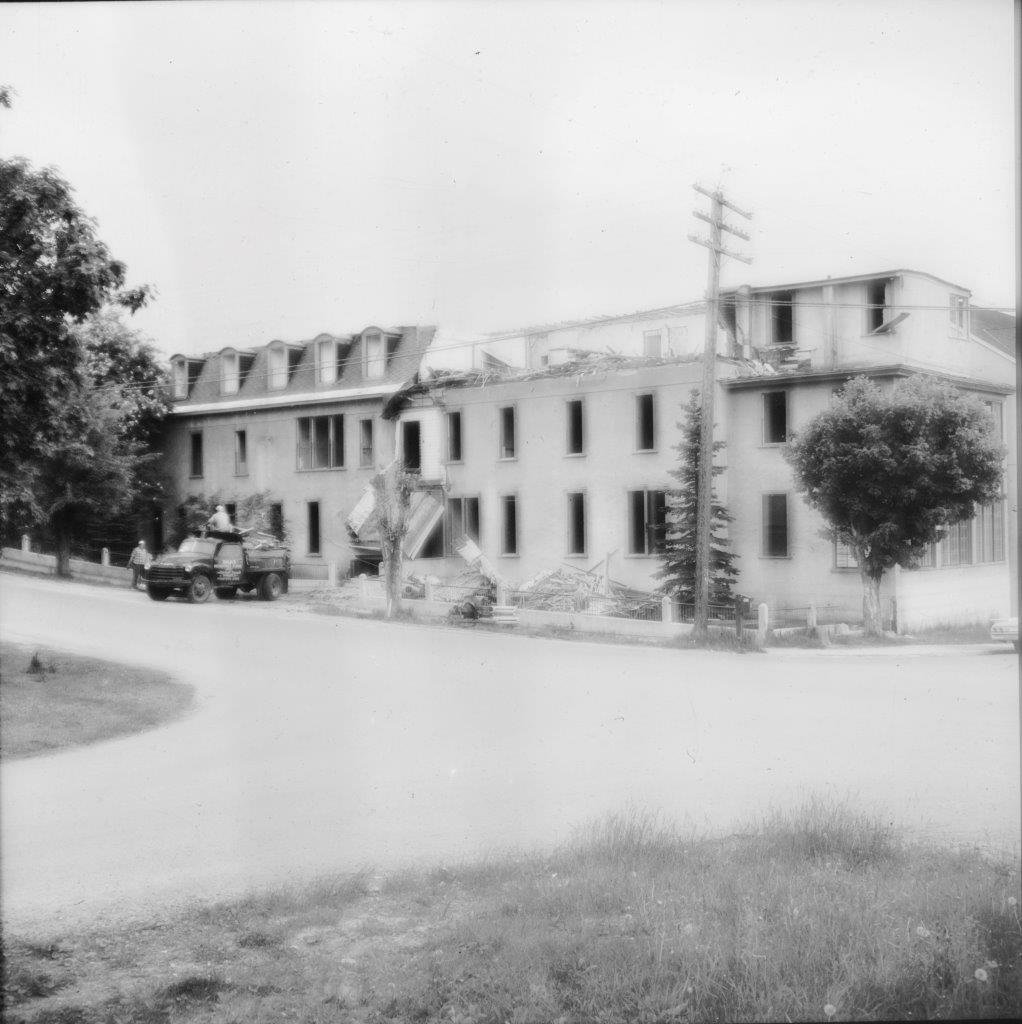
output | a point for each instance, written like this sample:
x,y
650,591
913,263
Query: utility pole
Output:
x,y
706,414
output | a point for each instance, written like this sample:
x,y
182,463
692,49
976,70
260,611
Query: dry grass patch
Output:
x,y
812,914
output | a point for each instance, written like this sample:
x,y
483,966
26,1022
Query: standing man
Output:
x,y
138,561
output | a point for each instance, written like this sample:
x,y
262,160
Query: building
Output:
x,y
298,423
566,458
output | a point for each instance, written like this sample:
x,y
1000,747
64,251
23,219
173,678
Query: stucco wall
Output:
x,y
957,596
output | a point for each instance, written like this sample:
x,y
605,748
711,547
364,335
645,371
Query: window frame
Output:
x,y
241,452
766,397
651,544
317,551
776,302
335,452
510,501
405,425
650,336
502,420
327,369
765,525
451,417
230,372
573,499
571,426
639,399
194,435
366,461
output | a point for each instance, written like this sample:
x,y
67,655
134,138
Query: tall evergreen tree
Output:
x,y
679,551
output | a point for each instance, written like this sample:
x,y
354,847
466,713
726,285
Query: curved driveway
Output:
x,y
327,743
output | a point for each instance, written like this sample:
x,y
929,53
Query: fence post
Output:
x,y
429,589
811,616
26,543
363,589
331,574
739,621
666,609
762,624
104,556
501,594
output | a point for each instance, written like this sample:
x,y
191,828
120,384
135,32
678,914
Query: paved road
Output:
x,y
322,743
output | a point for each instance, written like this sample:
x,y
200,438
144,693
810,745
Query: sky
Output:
x,y
276,170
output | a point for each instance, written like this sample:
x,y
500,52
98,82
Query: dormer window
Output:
x,y
184,373
230,377
281,362
958,313
326,360
876,305
782,319
374,354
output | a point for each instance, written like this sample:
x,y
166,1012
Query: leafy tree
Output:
x,y
54,273
891,470
393,489
679,552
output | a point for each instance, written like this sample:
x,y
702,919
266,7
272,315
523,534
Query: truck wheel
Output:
x,y
226,593
156,594
270,587
199,589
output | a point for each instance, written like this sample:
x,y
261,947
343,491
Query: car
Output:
x,y
221,563
1005,631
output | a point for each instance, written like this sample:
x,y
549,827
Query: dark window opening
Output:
x,y
472,519
314,539
782,318
576,428
775,417
277,520
647,526
411,446
231,508
454,436
245,364
576,524
876,305
645,423
507,433
240,452
510,531
196,454
433,547
194,369
775,525
294,357
365,441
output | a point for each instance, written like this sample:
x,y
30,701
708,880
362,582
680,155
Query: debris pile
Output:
x,y
568,589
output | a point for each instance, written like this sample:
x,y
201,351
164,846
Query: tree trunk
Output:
x,y
392,576
872,619
63,534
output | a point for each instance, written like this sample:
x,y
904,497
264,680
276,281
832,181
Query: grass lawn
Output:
x,y
823,914
68,701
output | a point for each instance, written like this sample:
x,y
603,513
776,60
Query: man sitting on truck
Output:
x,y
219,521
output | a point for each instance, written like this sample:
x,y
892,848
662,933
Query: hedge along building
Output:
x,y
297,422
566,459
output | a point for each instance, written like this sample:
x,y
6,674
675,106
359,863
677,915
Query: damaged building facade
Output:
x,y
552,447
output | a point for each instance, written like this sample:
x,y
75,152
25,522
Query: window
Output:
x,y
651,344
577,523
229,376
782,320
321,442
462,521
957,312
775,525
507,432
276,367
990,532
576,428
196,453
876,305
240,453
645,423
509,525
454,437
647,521
326,361
844,558
377,354
313,528
365,443
411,446
180,378
277,520
956,547
775,417
997,411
